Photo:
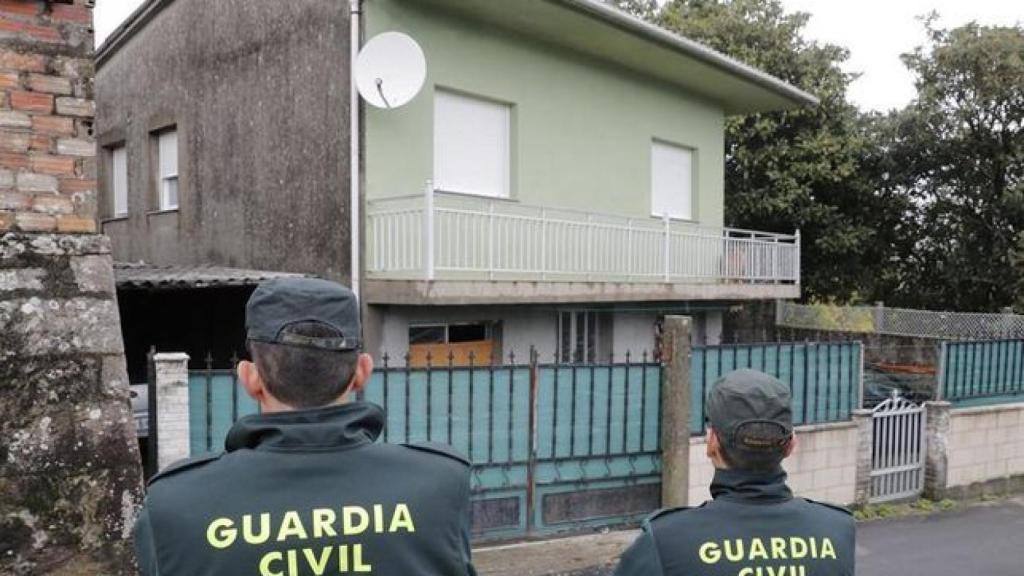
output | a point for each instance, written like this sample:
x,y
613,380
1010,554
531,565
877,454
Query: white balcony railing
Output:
x,y
447,236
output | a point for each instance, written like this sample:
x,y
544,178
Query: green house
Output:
x,y
558,183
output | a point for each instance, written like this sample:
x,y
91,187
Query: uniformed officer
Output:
x,y
305,488
754,526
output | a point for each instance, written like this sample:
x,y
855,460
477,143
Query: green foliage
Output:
x,y
959,148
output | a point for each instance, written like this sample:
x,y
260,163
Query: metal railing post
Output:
x,y
668,241
490,239
797,271
428,231
590,245
629,249
543,244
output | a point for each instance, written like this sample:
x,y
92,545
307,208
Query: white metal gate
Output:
x,y
897,459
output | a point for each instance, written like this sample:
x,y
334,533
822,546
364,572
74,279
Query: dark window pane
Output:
x,y
426,335
467,332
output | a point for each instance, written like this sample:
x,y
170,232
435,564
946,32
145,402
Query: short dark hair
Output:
x,y
304,376
756,460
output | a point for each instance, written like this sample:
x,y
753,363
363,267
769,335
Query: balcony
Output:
x,y
461,248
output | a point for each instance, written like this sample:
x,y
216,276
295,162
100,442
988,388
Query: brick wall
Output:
x,y
70,479
823,465
47,150
985,446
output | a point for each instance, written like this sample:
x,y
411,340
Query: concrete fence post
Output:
x,y
864,419
937,429
675,412
172,426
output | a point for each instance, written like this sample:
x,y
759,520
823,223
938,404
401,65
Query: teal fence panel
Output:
x,y
597,445
214,403
553,447
982,372
823,377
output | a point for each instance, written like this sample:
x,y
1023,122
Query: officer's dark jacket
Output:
x,y
753,527
309,492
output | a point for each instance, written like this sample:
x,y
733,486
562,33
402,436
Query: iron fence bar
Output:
x,y
608,414
643,402
590,415
451,383
209,402
490,415
703,390
625,406
387,429
829,346
511,405
472,378
408,400
807,354
572,414
152,436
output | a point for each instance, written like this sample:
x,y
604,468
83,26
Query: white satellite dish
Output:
x,y
390,70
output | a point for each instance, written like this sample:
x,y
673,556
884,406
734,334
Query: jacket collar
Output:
x,y
753,487
330,428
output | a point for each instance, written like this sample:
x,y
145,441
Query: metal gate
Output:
x,y
897,459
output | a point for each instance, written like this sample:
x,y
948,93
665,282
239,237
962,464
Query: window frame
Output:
x,y
114,151
691,204
164,179
439,180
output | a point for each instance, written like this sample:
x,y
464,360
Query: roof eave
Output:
x,y
127,29
629,23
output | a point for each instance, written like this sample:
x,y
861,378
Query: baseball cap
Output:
x,y
277,304
751,411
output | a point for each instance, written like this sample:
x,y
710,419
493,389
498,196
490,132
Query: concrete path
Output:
x,y
981,540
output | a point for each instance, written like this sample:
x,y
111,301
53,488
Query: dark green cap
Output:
x,y
750,410
280,303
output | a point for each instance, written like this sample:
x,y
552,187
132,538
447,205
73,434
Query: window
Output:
x,y
167,153
671,181
471,145
578,334
464,344
119,181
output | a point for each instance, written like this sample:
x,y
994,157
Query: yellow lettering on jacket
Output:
x,y
265,563
709,553
221,533
291,527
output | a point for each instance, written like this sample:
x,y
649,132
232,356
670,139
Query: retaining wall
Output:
x,y
823,465
985,449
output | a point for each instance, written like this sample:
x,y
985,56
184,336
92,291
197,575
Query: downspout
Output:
x,y
355,154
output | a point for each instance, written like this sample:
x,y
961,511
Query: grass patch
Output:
x,y
921,507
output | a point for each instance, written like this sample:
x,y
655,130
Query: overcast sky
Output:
x,y
875,31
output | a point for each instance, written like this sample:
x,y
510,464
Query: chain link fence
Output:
x,y
900,321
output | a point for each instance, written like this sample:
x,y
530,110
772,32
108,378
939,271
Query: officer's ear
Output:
x,y
364,367
249,377
790,446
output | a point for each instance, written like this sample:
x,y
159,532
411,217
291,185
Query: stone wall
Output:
x,y
985,449
69,463
823,465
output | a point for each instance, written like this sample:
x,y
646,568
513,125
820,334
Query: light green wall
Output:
x,y
582,129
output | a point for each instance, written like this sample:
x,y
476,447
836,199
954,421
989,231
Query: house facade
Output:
x,y
557,183
521,199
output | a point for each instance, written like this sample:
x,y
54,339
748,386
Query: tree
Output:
x,y
812,168
961,150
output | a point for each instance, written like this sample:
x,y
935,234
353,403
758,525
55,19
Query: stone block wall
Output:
x,y
823,465
70,477
985,449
